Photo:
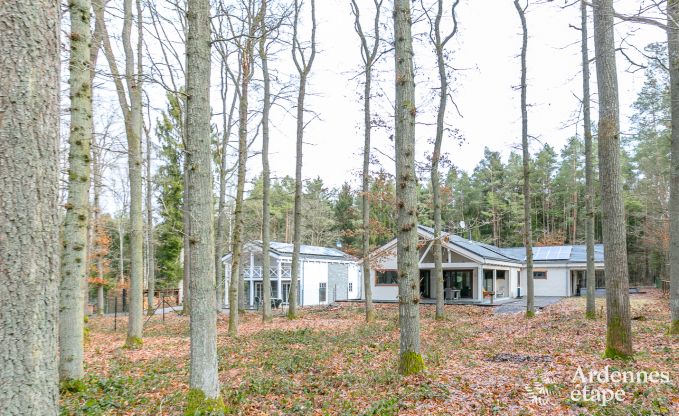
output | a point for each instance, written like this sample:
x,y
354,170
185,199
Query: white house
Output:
x,y
326,274
474,271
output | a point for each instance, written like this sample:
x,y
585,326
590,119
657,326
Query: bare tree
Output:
x,y
204,396
29,191
303,65
527,223
132,115
369,55
618,334
673,49
150,245
410,361
589,168
439,42
266,173
75,234
246,54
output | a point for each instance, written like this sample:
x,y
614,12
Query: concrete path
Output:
x,y
519,305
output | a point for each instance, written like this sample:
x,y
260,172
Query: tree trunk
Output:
x,y
410,361
186,271
29,224
236,285
303,69
618,334
266,106
527,224
75,234
589,170
133,130
369,56
673,48
439,45
150,246
132,114
204,380
297,210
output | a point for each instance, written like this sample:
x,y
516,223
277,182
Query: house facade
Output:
x,y
326,274
475,271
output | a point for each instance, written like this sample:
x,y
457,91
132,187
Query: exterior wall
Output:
x,y
383,292
556,284
354,277
313,274
338,281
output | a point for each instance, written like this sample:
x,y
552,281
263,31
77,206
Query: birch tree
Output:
x,y
369,56
410,361
618,324
589,168
29,224
303,56
204,396
527,218
129,96
673,49
439,42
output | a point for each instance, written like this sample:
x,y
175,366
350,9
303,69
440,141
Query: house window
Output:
x,y
351,286
539,274
387,277
322,288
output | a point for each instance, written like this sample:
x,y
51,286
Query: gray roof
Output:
x,y
285,249
570,254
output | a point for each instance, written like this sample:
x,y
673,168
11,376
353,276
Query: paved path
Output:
x,y
519,305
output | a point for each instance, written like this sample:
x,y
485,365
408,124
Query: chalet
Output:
x,y
475,271
326,274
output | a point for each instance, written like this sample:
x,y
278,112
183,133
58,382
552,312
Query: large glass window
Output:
x,y
387,277
461,280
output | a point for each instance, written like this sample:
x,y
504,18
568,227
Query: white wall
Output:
x,y
314,273
383,292
354,277
556,283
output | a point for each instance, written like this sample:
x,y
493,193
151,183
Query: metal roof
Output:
x,y
285,249
571,253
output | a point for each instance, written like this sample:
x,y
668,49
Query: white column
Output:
x,y
479,284
279,272
252,274
494,284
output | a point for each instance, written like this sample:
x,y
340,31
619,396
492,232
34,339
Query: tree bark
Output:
x,y
439,44
221,215
673,49
369,55
75,234
618,328
132,115
150,245
236,285
303,68
266,173
204,380
527,223
29,224
589,169
410,361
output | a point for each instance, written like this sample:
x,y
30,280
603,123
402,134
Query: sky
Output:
x,y
485,55
486,51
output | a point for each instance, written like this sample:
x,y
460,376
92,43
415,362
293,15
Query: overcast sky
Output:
x,y
485,52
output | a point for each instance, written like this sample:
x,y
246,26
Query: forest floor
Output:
x,y
330,362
